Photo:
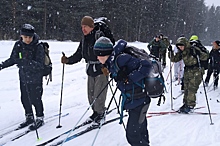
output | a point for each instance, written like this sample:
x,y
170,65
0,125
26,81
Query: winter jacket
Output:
x,y
155,47
189,54
136,70
214,57
31,71
85,50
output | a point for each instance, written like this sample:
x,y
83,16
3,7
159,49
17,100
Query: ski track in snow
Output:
x,y
164,130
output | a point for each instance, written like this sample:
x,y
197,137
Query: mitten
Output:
x,y
1,67
122,75
64,59
105,71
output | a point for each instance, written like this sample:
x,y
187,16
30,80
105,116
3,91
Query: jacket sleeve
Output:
x,y
13,57
137,69
174,58
149,45
77,56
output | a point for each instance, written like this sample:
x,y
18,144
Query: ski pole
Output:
x,y
85,112
28,95
204,90
171,90
117,105
102,122
61,96
169,71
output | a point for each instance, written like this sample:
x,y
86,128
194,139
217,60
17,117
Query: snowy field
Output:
x,y
164,130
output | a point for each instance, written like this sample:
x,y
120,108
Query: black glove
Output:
x,y
22,62
122,75
46,45
170,48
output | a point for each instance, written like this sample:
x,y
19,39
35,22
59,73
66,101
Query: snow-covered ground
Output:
x,y
165,130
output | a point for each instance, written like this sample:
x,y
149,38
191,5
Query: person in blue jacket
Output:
x,y
129,73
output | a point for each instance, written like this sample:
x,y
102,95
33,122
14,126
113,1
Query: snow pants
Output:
x,y
136,131
95,86
32,95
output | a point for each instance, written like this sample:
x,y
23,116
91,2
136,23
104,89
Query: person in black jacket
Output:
x,y
96,79
214,65
29,57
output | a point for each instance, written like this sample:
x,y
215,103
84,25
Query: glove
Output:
x,y
64,59
170,48
22,62
1,67
105,71
46,45
122,75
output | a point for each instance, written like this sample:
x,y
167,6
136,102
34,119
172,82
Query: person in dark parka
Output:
x,y
129,72
29,57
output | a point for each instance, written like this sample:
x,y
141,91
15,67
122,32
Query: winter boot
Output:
x,y
29,121
39,122
100,118
92,117
185,109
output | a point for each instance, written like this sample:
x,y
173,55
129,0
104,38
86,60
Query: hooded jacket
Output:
x,y
33,54
189,54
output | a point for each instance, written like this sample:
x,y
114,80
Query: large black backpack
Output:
x,y
154,83
102,28
204,63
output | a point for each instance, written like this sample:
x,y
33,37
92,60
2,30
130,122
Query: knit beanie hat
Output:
x,y
217,42
87,20
27,30
103,47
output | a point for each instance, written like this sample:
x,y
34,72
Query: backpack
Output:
x,y
154,83
204,63
47,71
102,28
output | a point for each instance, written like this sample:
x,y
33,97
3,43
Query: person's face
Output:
x,y
157,39
215,46
102,59
86,29
181,47
27,39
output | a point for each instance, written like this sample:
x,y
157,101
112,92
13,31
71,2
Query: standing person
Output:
x,y
96,79
163,52
129,73
155,46
29,57
192,72
214,65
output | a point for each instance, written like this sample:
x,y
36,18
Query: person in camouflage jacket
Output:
x,y
155,46
163,51
192,72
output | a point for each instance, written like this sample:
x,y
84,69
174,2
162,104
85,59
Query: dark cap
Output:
x,y
217,42
27,30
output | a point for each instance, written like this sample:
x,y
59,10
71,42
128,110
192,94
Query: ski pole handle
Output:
x,y
63,54
20,56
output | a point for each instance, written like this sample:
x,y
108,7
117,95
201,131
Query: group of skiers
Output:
x,y
103,60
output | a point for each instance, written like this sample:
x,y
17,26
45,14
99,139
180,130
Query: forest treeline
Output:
x,y
132,20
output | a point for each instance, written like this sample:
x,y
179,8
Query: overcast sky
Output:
x,y
210,2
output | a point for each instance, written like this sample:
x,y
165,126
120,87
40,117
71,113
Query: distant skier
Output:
x,y
29,57
214,65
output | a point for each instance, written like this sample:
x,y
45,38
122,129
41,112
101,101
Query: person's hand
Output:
x,y
170,48
105,71
122,75
64,59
